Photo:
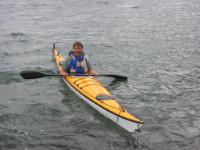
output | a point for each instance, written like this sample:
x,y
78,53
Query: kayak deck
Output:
x,y
97,95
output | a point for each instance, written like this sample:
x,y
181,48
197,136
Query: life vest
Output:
x,y
78,64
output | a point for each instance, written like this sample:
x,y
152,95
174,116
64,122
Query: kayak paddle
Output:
x,y
32,74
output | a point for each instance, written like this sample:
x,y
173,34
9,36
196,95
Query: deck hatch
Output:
x,y
104,97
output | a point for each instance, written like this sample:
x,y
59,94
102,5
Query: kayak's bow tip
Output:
x,y
54,45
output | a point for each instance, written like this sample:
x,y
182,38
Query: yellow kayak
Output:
x,y
93,92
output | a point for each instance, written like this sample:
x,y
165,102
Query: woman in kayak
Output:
x,y
76,62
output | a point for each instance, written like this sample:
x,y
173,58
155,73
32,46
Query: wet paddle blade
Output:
x,y
29,74
120,77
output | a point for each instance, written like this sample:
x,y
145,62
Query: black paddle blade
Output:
x,y
119,77
30,74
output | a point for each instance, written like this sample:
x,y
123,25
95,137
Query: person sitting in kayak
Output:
x,y
76,62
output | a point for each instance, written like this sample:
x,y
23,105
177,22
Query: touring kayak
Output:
x,y
93,92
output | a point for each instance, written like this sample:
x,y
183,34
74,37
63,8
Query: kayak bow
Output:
x,y
93,92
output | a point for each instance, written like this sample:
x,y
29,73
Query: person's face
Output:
x,y
78,49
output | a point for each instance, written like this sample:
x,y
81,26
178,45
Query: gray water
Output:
x,y
156,43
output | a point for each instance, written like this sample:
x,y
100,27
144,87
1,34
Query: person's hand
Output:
x,y
64,73
92,72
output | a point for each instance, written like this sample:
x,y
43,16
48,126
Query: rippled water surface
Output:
x,y
155,43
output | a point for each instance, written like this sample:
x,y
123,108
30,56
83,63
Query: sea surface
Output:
x,y
156,43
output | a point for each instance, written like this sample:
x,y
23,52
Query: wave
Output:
x,y
17,34
9,77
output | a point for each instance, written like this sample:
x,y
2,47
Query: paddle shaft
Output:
x,y
31,74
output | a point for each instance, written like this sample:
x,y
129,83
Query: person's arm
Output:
x,y
65,65
89,66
